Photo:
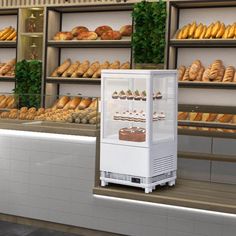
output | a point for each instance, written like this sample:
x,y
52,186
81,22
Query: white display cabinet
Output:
x,y
139,128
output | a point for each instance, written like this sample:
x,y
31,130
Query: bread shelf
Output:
x,y
123,43
202,43
63,80
7,44
7,79
207,85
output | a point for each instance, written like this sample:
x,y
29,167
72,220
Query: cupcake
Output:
x,y
144,95
158,95
155,116
122,95
137,95
161,116
115,95
129,95
117,116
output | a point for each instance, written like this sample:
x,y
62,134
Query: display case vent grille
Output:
x,y
164,164
30,3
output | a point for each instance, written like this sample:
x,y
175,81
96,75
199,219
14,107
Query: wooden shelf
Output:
x,y
7,79
7,44
207,85
202,43
123,43
62,80
186,193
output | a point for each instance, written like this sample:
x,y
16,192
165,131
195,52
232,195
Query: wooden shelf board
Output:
x,y
123,43
186,193
61,80
202,43
7,44
7,79
207,85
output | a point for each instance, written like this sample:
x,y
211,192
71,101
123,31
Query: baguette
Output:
x,y
181,71
83,67
192,29
183,115
92,69
203,32
185,31
215,29
195,116
115,65
221,31
226,118
208,31
3,103
62,102
125,66
226,33
94,104
105,65
11,36
84,103
72,68
62,68
232,29
75,102
212,117
179,34
198,31
186,75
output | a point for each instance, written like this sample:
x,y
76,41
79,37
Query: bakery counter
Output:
x,y
50,127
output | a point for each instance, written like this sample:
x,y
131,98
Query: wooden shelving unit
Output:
x,y
61,80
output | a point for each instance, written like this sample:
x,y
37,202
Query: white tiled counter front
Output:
x,y
51,177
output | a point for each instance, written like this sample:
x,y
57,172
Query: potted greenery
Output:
x,y
148,40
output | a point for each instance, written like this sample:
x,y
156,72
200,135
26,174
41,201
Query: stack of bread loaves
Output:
x,y
8,34
8,69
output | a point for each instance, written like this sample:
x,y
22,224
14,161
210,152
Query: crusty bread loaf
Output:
x,y
226,33
105,65
74,102
192,29
79,29
205,76
62,102
72,68
63,36
202,36
102,29
215,69
85,103
195,116
125,66
225,118
234,80
63,67
215,29
198,31
186,74
183,115
90,35
208,31
220,76
200,73
83,67
232,29
126,30
212,117
181,71
221,31
92,69
194,69
111,35
115,65
229,74
185,32
3,103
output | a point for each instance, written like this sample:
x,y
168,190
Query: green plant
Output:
x,y
148,40
28,83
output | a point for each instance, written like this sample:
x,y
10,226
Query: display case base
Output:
x,y
147,183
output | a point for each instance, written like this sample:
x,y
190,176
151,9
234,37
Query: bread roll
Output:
x,y
63,36
221,31
181,71
125,66
11,103
115,65
198,31
24,110
5,114
32,110
92,69
183,115
90,35
194,69
62,102
205,76
229,74
3,103
192,29
186,75
226,33
85,103
209,30
200,73
179,34
83,67
185,32
126,30
111,35
226,118
79,29
102,29
94,104
215,29
74,102
62,68
105,65
202,36
220,76
215,69
72,68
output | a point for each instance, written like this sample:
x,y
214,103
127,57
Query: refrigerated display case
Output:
x,y
139,128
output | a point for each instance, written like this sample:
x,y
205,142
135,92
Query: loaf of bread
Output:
x,y
231,33
72,68
7,67
226,33
205,76
111,35
200,73
181,71
208,31
220,76
11,103
194,69
221,31
63,67
186,74
195,116
105,65
115,65
126,30
63,36
3,103
229,74
94,104
225,118
185,31
78,30
84,103
212,117
198,31
183,115
62,102
192,29
90,35
92,69
215,29
74,102
125,66
234,80
102,29
215,69
83,67
202,36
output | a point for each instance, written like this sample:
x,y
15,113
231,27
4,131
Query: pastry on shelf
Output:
x,y
117,116
111,35
181,71
62,68
78,30
129,95
137,95
134,134
158,95
126,30
125,66
72,68
186,74
161,116
90,35
97,74
63,36
84,103
92,69
102,29
62,102
115,95
144,96
155,116
115,65
83,67
122,95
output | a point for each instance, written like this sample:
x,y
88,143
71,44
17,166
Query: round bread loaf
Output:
x,y
111,35
102,29
78,30
90,35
